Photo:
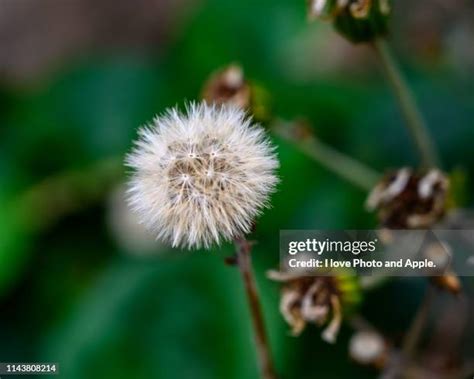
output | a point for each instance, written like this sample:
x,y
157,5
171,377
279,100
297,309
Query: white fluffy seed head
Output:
x,y
201,176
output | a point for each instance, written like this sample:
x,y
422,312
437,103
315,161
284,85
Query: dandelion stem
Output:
x,y
244,261
417,325
346,167
414,119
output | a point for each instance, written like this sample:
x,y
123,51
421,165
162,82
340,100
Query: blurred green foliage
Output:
x,y
68,292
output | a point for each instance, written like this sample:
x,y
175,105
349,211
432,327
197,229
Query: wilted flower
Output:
x,y
368,348
202,176
405,199
316,299
358,20
228,86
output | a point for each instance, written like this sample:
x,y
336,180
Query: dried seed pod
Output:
x,y
357,20
316,299
409,200
228,86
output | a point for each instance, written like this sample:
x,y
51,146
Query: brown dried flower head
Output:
x,y
358,20
228,86
315,299
358,9
406,199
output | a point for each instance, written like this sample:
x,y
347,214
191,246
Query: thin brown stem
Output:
x,y
402,365
415,330
414,119
244,262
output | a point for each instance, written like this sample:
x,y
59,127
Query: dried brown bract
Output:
x,y
449,282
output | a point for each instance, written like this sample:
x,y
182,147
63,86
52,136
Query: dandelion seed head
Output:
x,y
201,176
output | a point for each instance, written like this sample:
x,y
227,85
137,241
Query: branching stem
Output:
x,y
344,166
